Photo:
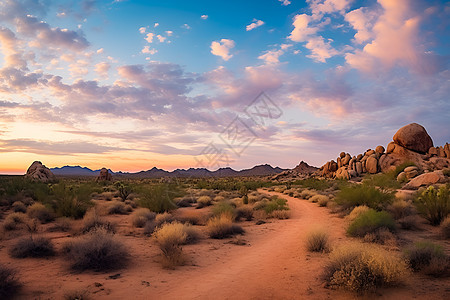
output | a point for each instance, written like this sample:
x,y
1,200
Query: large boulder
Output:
x,y
38,172
329,168
414,137
372,165
426,179
104,175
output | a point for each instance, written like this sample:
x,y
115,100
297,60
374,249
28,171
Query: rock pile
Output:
x,y
104,175
38,172
411,143
302,169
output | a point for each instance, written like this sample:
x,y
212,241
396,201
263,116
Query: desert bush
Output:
x,y
32,247
276,204
62,224
428,258
409,222
223,207
222,227
384,181
203,201
306,194
12,221
362,268
356,212
92,222
445,228
116,207
77,295
18,206
313,183
219,198
253,198
9,283
130,203
317,198
369,222
244,212
434,204
72,201
124,189
317,241
142,216
381,236
159,198
40,212
400,209
280,214
260,215
98,250
323,201
163,218
170,237
362,194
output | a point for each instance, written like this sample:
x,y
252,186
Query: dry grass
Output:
x,y
40,212
98,250
429,259
307,194
141,216
18,206
222,227
203,201
166,217
400,209
92,221
244,212
280,214
170,237
356,212
360,268
14,220
62,224
381,236
32,247
117,207
319,198
317,241
9,283
409,222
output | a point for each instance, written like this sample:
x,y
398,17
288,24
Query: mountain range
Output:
x,y
259,170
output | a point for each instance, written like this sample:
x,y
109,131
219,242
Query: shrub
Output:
x,y
159,198
117,207
445,228
323,201
280,214
40,212
72,201
13,220
203,201
306,194
409,222
149,227
362,268
18,206
317,198
384,181
32,247
9,283
313,183
434,204
317,241
356,212
274,204
244,212
222,227
163,218
362,194
63,224
99,250
369,222
170,237
142,216
400,209
428,258
223,207
381,236
92,221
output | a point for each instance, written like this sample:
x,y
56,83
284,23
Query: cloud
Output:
x,y
285,2
320,50
147,50
161,38
142,30
169,32
149,37
301,28
321,7
156,25
271,56
222,48
361,20
186,26
102,68
396,42
255,24
13,55
204,17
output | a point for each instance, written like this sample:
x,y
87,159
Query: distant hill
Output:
x,y
260,170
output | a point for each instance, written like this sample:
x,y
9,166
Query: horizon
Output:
x,y
131,85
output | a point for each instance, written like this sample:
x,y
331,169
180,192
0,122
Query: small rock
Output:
x,y
411,168
379,149
401,177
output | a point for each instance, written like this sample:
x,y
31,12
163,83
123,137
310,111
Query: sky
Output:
x,y
132,85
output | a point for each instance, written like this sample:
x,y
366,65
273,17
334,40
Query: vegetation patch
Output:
x,y
369,222
14,220
434,204
428,258
317,241
32,247
142,216
159,198
9,282
222,227
40,212
362,194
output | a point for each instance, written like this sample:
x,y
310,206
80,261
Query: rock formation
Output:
x,y
302,169
411,143
38,172
104,175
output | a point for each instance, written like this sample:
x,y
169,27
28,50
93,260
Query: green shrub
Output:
x,y
428,258
124,190
32,247
384,181
434,204
9,283
99,250
142,216
361,194
223,207
276,204
40,212
159,198
222,227
361,268
369,222
317,241
72,201
313,183
356,212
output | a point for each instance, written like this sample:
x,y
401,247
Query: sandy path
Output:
x,y
276,266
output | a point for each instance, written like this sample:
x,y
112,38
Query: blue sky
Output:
x,y
136,84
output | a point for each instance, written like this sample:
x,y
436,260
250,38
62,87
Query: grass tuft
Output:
x,y
222,227
317,241
32,247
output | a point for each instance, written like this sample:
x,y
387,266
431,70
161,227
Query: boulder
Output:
x,y
372,165
359,157
426,179
401,177
104,175
410,169
359,168
352,173
342,154
439,163
447,150
342,173
441,152
433,151
413,137
369,152
379,149
39,172
346,159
